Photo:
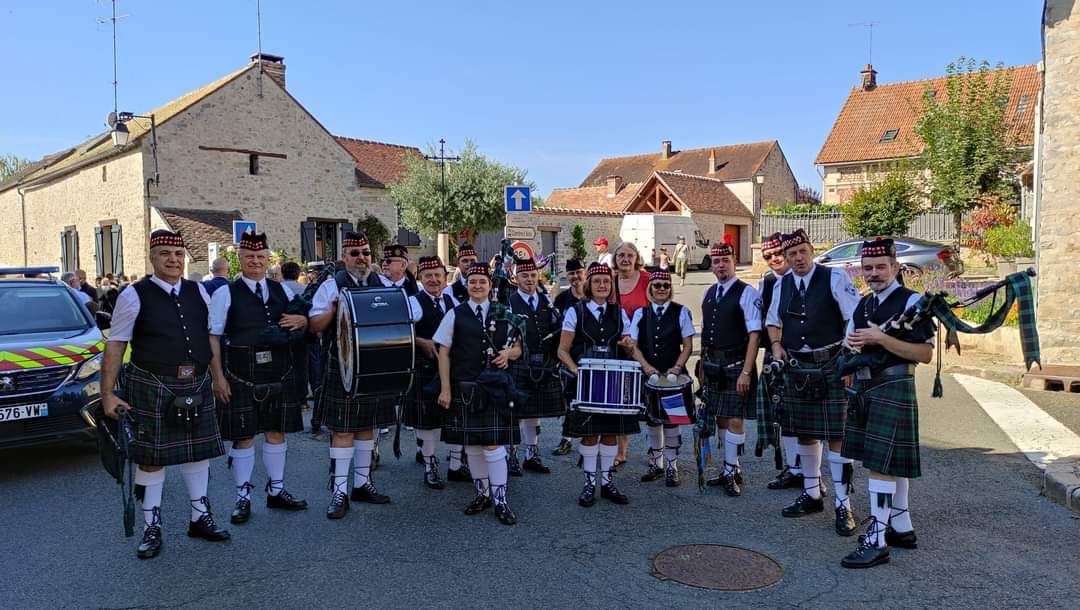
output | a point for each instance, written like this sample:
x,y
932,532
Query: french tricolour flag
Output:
x,y
675,409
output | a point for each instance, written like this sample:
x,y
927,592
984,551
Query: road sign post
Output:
x,y
239,227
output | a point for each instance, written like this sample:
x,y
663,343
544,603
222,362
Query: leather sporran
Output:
x,y
183,411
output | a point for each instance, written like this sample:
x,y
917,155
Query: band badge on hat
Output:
x,y
253,241
478,269
798,238
354,239
395,251
430,262
163,237
878,247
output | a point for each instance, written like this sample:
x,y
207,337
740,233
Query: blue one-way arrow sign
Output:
x,y
518,199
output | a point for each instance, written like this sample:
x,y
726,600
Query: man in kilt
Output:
x,y
430,305
251,337
475,336
768,414
166,387
466,257
663,333
538,374
807,315
575,275
883,416
731,327
351,419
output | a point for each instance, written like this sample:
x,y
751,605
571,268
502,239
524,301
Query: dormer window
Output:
x,y
889,135
1022,105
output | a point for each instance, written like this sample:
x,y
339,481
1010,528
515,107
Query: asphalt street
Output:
x,y
986,536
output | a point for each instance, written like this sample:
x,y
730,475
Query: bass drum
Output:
x,y
375,341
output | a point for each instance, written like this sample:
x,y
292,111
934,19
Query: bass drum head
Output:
x,y
346,338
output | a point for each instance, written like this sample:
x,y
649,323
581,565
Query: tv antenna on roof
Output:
x,y
113,19
869,25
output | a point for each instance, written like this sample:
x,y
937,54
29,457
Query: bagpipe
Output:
x,y
113,439
937,306
299,306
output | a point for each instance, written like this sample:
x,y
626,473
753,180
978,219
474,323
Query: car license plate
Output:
x,y
23,412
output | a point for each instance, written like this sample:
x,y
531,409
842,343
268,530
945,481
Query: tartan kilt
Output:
x,y
157,442
578,424
725,401
420,412
888,442
344,413
244,416
546,398
493,426
816,418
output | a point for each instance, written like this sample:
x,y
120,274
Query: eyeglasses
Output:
x,y
355,253
662,286
768,257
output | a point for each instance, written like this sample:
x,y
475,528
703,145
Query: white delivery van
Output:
x,y
650,232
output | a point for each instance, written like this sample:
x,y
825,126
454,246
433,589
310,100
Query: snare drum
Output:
x,y
608,386
668,402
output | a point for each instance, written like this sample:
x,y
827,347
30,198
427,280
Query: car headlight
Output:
x,y
90,367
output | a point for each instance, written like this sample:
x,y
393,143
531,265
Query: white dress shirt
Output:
x,y
845,293
749,303
328,293
222,299
570,318
686,323
444,335
414,303
127,307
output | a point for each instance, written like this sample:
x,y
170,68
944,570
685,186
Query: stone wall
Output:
x,y
595,226
1059,204
780,186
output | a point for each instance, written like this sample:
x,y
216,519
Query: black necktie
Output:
x,y
802,288
871,305
532,303
600,313
175,296
480,314
660,311
258,290
438,304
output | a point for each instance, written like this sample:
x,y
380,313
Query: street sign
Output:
x,y
239,227
519,233
211,252
518,199
521,249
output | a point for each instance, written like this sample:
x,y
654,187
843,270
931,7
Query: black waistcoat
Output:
x,y
432,316
344,280
248,316
894,304
472,340
409,286
565,300
723,323
814,319
460,290
660,339
768,283
538,323
592,333
167,334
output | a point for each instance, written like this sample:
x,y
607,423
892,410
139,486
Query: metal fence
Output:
x,y
825,226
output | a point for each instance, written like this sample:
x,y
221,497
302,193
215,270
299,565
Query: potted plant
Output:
x,y
1011,246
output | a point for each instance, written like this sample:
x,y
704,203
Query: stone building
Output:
x,y
875,131
1058,188
241,147
718,187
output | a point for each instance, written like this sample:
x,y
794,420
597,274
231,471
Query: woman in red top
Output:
x,y
632,293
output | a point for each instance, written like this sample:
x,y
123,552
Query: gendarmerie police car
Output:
x,y
50,357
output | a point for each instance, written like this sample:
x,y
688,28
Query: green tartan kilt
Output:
x,y
244,416
723,400
344,413
816,418
888,441
492,426
545,397
420,412
158,442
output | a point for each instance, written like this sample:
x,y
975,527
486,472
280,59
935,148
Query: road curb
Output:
x,y
1008,375
1061,482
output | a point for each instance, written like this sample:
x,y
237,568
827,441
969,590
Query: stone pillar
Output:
x,y
1059,205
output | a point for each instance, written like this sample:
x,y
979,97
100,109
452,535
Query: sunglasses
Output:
x,y
771,255
355,253
662,286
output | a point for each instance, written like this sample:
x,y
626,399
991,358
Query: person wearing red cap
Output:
x,y
602,255
663,333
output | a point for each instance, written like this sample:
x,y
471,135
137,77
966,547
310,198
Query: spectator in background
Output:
x,y
682,257
665,260
71,280
84,286
220,270
274,273
602,255
290,274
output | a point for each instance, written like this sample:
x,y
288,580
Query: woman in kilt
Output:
x,y
596,328
883,417
166,389
664,335
474,338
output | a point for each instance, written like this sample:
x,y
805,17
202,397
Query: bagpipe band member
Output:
x,y
252,338
809,310
596,328
466,257
351,419
575,275
883,414
663,333
731,326
423,413
395,267
539,372
166,388
475,339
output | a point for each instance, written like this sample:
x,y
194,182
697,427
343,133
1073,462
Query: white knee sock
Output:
x,y
274,462
836,467
243,463
497,472
656,445
810,456
791,453
588,457
427,442
341,458
153,483
197,478
528,435
607,461
478,466
900,518
880,498
672,442
732,441
362,451
454,463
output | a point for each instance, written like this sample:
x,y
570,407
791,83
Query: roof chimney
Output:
x,y
712,161
272,65
869,78
614,185
665,149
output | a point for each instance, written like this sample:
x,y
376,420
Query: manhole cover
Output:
x,y
714,566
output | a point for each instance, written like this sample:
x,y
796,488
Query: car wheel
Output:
x,y
706,264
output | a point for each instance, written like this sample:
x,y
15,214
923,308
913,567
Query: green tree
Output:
x,y
968,148
10,165
577,243
473,199
377,233
887,208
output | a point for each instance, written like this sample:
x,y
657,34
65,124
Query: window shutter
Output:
x,y
307,241
343,228
63,252
98,250
75,249
118,250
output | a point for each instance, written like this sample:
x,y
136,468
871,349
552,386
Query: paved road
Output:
x,y
987,538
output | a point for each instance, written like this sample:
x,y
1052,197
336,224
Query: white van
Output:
x,y
650,232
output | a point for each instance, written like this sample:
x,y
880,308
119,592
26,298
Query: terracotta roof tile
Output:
x,y
704,195
867,115
377,164
589,200
733,162
200,227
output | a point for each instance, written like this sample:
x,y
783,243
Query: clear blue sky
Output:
x,y
551,86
